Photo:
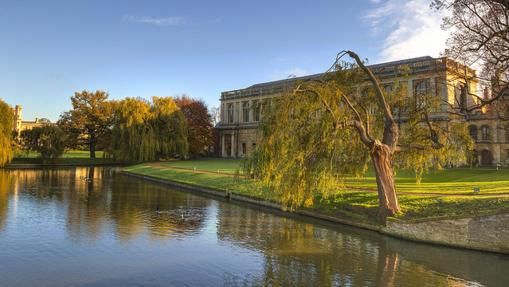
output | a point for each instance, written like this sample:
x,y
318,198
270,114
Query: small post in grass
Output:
x,y
477,189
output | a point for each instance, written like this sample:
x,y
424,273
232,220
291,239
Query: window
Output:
x,y
472,130
245,111
388,89
230,113
256,111
421,91
507,133
243,148
461,96
485,133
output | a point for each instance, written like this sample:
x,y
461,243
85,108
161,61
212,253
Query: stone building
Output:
x,y
241,110
21,125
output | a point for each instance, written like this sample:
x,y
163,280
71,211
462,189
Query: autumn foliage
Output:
x,y
199,124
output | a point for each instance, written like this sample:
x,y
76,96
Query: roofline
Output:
x,y
378,65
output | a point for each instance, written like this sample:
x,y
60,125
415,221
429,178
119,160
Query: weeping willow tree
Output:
x,y
145,131
335,126
6,125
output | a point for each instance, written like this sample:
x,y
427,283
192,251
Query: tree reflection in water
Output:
x,y
97,204
5,186
94,199
304,254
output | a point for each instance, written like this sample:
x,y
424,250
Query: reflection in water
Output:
x,y
55,224
304,254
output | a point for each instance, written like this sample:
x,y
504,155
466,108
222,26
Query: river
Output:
x,y
60,228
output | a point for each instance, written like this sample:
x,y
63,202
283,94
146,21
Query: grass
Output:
x,y
67,154
212,165
73,157
446,193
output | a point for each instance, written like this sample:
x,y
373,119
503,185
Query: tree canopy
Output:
x,y
480,37
88,123
48,140
333,127
144,131
199,124
6,135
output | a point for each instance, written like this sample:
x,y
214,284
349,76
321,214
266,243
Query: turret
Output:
x,y
18,110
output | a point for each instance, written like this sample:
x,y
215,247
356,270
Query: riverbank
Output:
x,y
62,162
68,159
425,218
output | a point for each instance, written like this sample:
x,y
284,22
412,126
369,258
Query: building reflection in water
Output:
x,y
302,254
98,204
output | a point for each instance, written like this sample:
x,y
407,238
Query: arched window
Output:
x,y
472,130
485,133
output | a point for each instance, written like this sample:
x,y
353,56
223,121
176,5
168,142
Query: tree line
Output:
x,y
131,129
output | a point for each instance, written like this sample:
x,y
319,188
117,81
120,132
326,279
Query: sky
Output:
x,y
143,48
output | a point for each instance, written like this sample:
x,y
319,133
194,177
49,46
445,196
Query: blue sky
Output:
x,y
50,49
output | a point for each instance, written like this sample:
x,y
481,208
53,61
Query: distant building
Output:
x,y
241,110
21,125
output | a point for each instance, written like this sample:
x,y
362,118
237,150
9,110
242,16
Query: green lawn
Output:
x,y
446,193
212,165
67,154
450,181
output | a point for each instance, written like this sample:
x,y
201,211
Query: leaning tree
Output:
x,y
328,128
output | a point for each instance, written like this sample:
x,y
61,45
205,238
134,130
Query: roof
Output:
x,y
309,77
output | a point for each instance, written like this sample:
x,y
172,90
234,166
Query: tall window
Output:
x,y
507,133
256,111
485,133
244,151
461,96
230,113
421,91
245,111
473,132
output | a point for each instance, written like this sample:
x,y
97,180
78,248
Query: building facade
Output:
x,y
21,125
241,110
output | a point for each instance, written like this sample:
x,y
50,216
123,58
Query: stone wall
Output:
x,y
489,233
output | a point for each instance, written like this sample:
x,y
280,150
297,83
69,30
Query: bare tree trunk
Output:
x,y
381,155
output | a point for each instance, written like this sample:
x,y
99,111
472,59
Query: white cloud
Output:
x,y
285,74
163,21
412,27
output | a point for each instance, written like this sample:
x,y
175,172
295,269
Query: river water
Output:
x,y
59,229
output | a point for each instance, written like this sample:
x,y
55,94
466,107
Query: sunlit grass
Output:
x,y
447,193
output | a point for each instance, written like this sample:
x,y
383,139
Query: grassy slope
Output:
x,y
358,203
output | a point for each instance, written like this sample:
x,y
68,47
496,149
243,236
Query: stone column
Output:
x,y
223,147
234,147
